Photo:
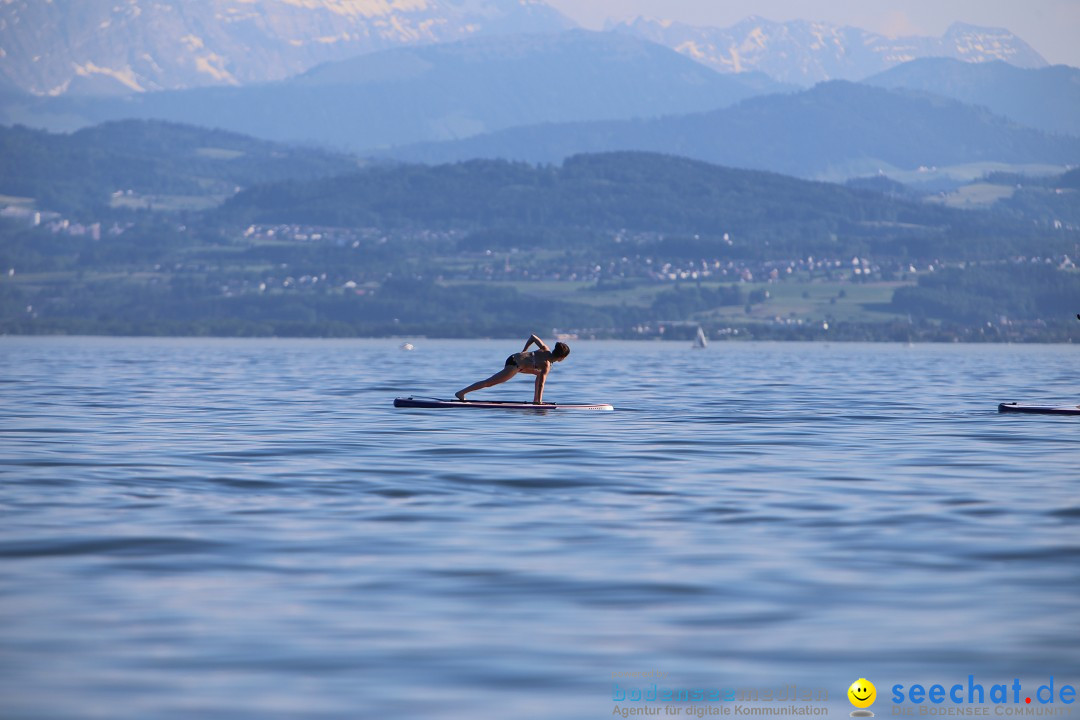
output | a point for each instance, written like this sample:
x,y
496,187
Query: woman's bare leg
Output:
x,y
500,377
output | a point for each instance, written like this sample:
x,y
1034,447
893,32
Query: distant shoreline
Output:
x,y
1065,335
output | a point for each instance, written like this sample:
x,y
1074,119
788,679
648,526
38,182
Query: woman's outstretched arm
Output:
x,y
534,339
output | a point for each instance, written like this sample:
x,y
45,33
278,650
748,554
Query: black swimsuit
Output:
x,y
511,361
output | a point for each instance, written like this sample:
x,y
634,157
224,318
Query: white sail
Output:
x,y
700,341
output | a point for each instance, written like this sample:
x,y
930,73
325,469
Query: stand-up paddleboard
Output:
x,y
437,404
1039,409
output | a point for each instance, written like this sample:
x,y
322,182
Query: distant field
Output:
x,y
978,195
971,171
167,203
219,153
823,300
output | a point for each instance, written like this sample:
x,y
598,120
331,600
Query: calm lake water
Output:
x,y
249,529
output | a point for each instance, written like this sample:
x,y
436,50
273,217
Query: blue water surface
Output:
x,y
249,529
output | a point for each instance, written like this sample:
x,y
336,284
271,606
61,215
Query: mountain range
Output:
x,y
1045,98
123,46
430,93
833,131
804,53
541,96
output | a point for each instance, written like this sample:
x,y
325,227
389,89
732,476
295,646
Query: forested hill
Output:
x,y
79,172
636,191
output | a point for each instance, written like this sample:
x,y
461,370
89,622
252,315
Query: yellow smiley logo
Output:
x,y
862,693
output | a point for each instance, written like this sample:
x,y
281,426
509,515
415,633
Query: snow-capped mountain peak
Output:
x,y
102,46
806,52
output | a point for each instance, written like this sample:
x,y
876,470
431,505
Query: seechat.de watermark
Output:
x,y
967,698
974,698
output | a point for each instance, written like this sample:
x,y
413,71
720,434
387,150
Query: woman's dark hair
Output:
x,y
561,350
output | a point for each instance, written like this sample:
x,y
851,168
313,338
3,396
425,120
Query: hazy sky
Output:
x,y
1052,27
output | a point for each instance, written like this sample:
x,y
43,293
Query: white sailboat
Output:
x,y
700,342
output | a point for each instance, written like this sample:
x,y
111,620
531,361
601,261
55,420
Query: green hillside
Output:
x,y
693,204
83,172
